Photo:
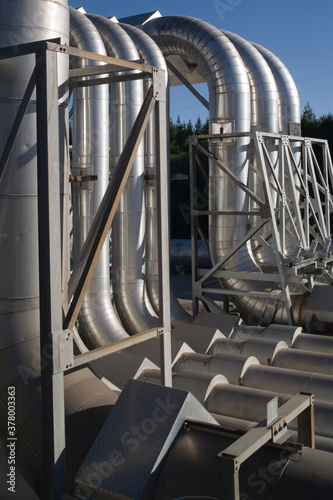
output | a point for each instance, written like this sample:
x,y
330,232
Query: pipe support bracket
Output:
x,y
63,350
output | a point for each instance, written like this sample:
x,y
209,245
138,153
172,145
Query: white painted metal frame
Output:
x,y
300,213
305,217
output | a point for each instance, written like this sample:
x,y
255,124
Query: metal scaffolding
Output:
x,y
56,324
295,204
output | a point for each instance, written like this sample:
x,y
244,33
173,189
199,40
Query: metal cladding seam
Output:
x,y
98,322
128,228
150,54
229,99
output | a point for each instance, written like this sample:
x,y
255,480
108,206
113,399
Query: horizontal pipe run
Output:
x,y
264,350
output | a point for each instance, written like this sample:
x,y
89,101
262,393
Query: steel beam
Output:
x,y
275,233
162,191
187,84
49,243
274,428
118,64
100,352
108,79
194,224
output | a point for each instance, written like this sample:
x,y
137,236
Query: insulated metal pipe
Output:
x,y
264,95
265,118
244,402
318,343
231,365
128,228
90,155
264,350
286,333
200,384
289,104
272,473
293,336
150,54
25,22
251,404
297,359
229,96
210,386
289,381
270,378
241,402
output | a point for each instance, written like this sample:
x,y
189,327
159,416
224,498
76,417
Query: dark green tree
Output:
x,y
321,128
308,115
198,127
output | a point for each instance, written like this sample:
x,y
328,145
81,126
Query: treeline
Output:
x,y
180,132
180,189
321,128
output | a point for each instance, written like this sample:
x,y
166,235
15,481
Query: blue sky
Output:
x,y
299,32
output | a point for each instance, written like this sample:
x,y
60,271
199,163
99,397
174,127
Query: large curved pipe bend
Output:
x,y
264,117
20,359
151,54
128,229
98,322
229,101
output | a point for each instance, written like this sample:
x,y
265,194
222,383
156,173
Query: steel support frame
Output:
x,y
273,429
55,331
52,335
265,210
315,187
288,271
50,262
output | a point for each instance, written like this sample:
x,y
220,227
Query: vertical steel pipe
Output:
x,y
98,322
128,229
150,54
